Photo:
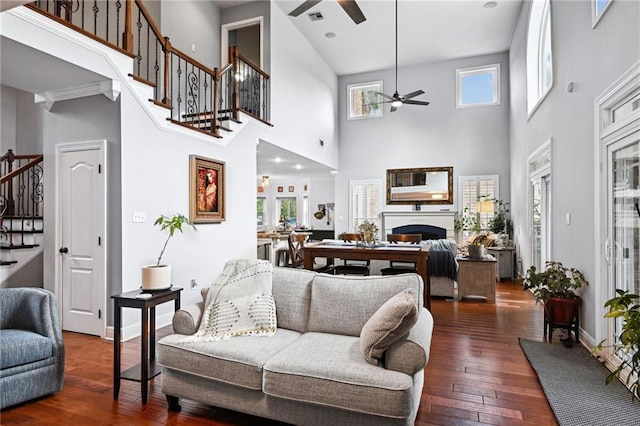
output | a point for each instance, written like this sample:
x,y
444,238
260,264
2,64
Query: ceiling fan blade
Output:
x,y
393,108
304,7
353,10
391,98
410,102
413,94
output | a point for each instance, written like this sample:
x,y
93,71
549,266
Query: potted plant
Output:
x,y
158,276
627,344
555,287
500,224
369,232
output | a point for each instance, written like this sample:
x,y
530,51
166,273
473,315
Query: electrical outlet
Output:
x,y
139,217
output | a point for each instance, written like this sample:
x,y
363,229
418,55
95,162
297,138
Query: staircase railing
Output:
x,y
199,97
21,199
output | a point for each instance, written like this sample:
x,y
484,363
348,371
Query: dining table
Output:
x,y
333,249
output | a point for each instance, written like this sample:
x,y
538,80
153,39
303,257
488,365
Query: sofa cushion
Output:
x,y
328,370
291,289
342,305
20,347
387,325
237,361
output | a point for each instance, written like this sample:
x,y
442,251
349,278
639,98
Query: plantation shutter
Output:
x,y
472,189
364,203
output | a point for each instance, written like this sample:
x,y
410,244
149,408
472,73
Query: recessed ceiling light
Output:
x,y
278,160
490,4
334,172
330,35
298,167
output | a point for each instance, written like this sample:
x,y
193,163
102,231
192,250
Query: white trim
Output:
x,y
533,51
61,148
605,134
224,38
595,17
109,88
542,151
493,69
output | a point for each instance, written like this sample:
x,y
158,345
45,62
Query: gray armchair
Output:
x,y
32,361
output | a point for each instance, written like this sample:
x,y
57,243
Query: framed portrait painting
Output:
x,y
206,190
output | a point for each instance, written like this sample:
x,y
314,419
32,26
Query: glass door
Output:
x,y
623,244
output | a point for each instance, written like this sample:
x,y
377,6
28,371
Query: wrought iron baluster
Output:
x,y
148,50
106,24
95,9
118,10
138,55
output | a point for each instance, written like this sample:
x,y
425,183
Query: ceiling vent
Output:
x,y
316,16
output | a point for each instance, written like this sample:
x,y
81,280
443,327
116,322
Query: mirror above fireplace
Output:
x,y
427,185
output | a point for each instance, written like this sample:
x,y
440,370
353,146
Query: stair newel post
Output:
x,y
214,104
166,48
10,158
127,35
236,92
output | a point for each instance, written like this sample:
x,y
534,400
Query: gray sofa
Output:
x,y
312,370
32,361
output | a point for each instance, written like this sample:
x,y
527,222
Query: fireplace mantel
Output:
x,y
442,219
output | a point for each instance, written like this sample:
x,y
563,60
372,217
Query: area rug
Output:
x,y
574,384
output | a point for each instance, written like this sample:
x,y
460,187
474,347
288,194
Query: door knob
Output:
x,y
64,250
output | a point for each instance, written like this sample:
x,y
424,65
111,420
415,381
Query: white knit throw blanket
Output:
x,y
239,302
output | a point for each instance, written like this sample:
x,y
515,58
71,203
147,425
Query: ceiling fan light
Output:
x,y
396,104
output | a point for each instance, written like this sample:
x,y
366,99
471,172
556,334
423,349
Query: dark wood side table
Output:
x,y
147,369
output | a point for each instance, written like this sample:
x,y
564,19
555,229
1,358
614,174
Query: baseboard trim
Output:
x,y
135,330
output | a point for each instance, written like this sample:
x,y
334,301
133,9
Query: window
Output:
x,y
540,204
478,86
260,210
288,210
472,189
364,203
539,55
598,7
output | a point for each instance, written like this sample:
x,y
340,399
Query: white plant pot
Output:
x,y
156,277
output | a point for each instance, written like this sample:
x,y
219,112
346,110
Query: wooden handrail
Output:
x,y
191,60
36,159
151,22
251,64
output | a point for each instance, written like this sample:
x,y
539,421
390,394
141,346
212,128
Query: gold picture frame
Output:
x,y
207,183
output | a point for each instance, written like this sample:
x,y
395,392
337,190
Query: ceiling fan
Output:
x,y
396,100
349,6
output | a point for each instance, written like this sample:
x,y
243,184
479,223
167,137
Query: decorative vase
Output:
x,y
476,251
156,277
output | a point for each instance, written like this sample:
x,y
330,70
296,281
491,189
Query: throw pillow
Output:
x,y
239,302
387,325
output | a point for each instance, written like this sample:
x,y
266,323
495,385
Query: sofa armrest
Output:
x,y
411,354
187,320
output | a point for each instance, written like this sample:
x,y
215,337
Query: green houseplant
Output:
x,y
627,342
555,287
158,276
500,223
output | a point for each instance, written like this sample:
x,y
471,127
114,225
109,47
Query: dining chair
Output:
x,y
351,266
396,267
296,253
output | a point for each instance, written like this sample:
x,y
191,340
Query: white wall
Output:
x,y
592,59
193,24
475,141
304,104
252,10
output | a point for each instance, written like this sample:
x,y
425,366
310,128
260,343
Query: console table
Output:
x,y
477,277
504,256
146,302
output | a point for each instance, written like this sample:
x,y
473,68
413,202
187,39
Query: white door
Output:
x,y
81,230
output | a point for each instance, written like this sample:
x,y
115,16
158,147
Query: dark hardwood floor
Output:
x,y
477,374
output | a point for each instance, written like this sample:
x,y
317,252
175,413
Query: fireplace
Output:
x,y
431,224
428,232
